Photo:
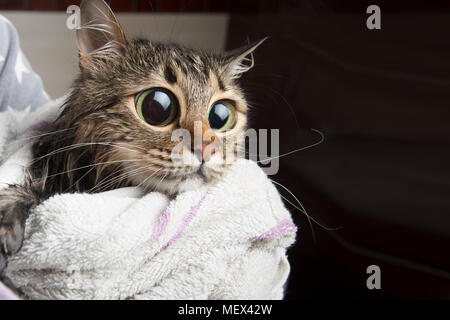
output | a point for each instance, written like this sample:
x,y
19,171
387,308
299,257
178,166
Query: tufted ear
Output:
x,y
99,29
241,60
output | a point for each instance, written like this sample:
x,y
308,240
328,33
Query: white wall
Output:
x,y
51,48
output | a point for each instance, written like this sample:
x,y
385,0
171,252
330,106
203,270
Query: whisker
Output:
x,y
123,176
26,137
84,167
136,172
322,138
146,179
286,102
303,210
84,144
110,182
93,167
156,187
105,179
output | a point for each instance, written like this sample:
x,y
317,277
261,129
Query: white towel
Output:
x,y
225,241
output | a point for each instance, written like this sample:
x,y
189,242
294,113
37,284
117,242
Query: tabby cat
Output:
x,y
115,128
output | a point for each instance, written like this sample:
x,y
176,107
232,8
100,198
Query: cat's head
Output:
x,y
131,95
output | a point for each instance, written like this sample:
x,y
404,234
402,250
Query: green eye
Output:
x,y
158,107
222,116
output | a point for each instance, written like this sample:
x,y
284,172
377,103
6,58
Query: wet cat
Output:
x,y
115,128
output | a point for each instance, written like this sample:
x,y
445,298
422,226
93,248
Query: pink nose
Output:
x,y
207,151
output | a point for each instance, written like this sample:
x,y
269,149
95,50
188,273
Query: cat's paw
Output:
x,y
11,230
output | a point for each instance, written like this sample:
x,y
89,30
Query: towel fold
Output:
x,y
222,241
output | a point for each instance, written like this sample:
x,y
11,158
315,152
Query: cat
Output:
x,y
116,124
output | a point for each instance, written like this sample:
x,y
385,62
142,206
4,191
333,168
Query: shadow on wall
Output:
x,y
381,99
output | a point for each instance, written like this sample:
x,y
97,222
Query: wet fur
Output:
x,y
98,144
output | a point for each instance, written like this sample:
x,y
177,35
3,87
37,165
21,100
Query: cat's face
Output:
x,y
133,95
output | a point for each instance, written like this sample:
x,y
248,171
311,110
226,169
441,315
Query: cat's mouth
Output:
x,y
190,178
202,175
201,172
177,184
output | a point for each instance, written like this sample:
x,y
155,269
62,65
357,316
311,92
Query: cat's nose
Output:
x,y
205,151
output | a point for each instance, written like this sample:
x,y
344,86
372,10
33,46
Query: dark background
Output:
x,y
381,99
382,175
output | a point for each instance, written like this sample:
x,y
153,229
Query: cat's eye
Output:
x,y
157,107
222,116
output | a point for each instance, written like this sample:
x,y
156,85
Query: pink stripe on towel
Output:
x,y
6,294
187,220
280,230
159,227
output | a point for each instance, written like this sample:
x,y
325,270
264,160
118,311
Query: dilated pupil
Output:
x,y
218,116
156,107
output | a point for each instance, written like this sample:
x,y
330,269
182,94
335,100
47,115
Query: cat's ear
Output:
x,y
99,29
240,60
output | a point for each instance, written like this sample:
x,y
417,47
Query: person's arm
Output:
x,y
20,87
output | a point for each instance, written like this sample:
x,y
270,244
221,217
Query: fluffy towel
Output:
x,y
226,241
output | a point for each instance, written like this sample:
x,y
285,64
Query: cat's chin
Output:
x,y
174,186
194,181
206,174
